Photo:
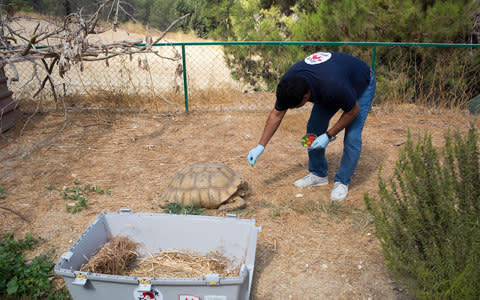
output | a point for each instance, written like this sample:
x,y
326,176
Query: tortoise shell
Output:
x,y
203,185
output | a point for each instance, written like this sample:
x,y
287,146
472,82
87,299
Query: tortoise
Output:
x,y
210,186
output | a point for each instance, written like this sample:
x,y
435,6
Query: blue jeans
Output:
x,y
352,143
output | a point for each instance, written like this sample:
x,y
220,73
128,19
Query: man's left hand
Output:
x,y
320,142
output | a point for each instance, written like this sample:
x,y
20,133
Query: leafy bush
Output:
x,y
21,278
428,218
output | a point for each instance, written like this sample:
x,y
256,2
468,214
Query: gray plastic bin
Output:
x,y
235,238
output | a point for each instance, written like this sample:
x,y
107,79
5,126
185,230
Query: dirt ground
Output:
x,y
308,248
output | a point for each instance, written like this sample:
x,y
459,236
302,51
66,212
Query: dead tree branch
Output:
x,y
15,212
71,43
170,27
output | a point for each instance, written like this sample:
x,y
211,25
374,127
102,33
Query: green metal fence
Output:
x,y
200,74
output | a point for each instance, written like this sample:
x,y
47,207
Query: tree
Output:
x,y
163,13
66,5
350,20
144,8
196,20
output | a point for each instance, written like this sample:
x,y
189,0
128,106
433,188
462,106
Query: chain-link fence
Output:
x,y
223,75
142,79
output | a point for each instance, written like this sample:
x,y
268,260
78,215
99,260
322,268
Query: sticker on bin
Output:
x,y
188,297
308,139
153,294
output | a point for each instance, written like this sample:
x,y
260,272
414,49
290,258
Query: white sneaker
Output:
x,y
311,180
339,192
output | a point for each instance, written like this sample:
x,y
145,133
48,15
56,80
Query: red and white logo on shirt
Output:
x,y
318,58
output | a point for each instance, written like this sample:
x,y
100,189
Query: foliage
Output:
x,y
163,13
79,194
447,76
261,66
2,193
196,21
11,6
428,217
177,208
144,10
437,76
284,5
21,278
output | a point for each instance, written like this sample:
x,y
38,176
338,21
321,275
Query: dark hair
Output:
x,y
290,91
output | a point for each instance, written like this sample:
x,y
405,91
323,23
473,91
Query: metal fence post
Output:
x,y
185,87
374,54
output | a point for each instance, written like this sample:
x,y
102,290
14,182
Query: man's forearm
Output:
x,y
271,125
345,119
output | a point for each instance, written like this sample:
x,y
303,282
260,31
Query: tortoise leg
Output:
x,y
232,204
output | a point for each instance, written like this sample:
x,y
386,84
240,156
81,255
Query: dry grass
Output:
x,y
122,256
110,100
184,264
306,244
116,257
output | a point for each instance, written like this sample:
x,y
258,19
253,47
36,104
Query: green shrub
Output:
x,y
180,209
26,279
428,217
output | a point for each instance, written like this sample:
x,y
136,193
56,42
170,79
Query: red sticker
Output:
x,y
188,297
153,294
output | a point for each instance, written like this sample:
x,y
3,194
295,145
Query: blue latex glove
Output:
x,y
254,154
320,142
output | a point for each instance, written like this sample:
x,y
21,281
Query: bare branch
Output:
x,y
131,17
170,27
15,212
69,43
47,77
115,23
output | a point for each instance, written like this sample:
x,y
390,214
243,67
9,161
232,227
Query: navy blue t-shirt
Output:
x,y
336,79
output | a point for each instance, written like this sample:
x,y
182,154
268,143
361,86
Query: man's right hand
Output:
x,y
254,154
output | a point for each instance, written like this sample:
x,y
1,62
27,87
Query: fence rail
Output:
x,y
199,68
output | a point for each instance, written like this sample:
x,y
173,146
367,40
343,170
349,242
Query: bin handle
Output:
x,y
80,279
144,285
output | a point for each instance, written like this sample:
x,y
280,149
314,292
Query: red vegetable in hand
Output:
x,y
308,139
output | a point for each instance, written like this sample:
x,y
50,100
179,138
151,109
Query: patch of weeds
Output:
x,y
79,194
359,219
333,209
274,213
26,279
180,209
362,220
246,212
267,204
306,207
